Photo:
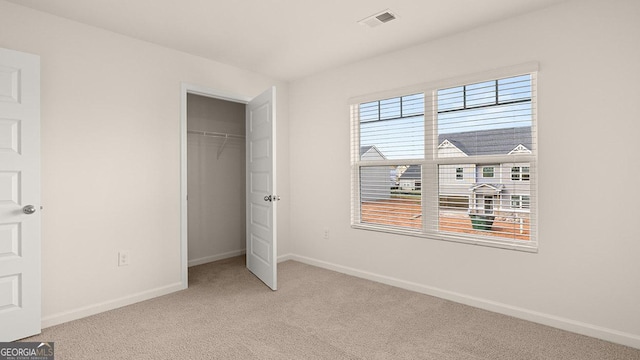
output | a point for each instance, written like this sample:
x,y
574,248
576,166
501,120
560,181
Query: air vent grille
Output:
x,y
385,17
378,18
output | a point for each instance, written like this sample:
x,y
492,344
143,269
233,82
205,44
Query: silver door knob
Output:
x,y
29,209
267,198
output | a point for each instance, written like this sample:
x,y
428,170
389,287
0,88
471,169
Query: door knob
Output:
x,y
272,198
29,209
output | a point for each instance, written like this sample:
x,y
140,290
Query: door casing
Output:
x,y
187,88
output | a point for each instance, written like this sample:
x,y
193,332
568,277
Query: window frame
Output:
x,y
430,164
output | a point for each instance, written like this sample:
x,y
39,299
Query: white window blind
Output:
x,y
488,128
389,143
456,162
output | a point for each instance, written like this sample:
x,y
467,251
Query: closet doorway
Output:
x,y
215,179
223,208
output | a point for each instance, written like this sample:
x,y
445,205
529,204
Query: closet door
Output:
x,y
261,188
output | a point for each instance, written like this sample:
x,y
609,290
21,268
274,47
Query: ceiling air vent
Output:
x,y
377,19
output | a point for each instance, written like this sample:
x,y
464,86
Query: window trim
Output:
x,y
430,194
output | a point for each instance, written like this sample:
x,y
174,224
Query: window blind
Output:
x,y
391,132
488,128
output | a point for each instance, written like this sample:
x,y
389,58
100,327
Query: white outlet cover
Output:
x,y
124,258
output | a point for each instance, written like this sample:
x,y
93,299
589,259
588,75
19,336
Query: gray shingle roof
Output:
x,y
412,172
489,142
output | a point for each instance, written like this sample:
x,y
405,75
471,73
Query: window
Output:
x,y
391,139
455,162
487,172
520,201
520,173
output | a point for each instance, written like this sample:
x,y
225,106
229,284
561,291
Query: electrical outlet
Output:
x,y
326,233
123,258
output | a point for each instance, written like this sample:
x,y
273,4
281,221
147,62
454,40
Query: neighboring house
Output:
x,y
375,182
488,187
411,178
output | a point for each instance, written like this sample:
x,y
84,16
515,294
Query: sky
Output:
x,y
396,126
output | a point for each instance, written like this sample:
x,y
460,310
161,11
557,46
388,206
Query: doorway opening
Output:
x,y
215,179
212,177
260,191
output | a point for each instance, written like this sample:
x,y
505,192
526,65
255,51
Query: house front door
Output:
x,y
488,204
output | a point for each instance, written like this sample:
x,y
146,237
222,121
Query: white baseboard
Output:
x,y
85,311
285,257
595,331
208,259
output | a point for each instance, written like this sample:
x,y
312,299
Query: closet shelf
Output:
x,y
217,134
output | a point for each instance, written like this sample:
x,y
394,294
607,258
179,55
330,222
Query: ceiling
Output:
x,y
285,39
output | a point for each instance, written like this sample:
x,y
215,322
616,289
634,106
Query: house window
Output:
x,y
520,173
480,131
520,201
390,146
487,172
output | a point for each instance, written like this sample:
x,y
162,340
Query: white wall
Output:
x,y
111,158
585,276
216,180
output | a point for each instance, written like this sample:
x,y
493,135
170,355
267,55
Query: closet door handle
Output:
x,y
271,198
29,209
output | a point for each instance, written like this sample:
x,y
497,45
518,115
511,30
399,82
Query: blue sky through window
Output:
x,y
396,126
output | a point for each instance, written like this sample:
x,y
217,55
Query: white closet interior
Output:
x,y
215,179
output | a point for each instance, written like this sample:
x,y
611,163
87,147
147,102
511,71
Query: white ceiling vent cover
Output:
x,y
378,19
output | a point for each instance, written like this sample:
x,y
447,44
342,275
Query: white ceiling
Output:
x,y
284,39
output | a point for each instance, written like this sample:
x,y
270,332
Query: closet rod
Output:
x,y
215,134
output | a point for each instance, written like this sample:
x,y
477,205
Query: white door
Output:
x,y
19,195
261,185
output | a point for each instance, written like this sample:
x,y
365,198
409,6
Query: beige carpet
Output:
x,y
317,314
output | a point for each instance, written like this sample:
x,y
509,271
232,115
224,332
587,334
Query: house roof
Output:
x,y
366,149
412,172
489,142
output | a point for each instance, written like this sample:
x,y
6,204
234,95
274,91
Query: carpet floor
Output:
x,y
227,313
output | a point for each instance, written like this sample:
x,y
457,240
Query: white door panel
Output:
x,y
20,302
261,187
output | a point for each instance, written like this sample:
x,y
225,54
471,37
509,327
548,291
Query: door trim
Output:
x,y
187,88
